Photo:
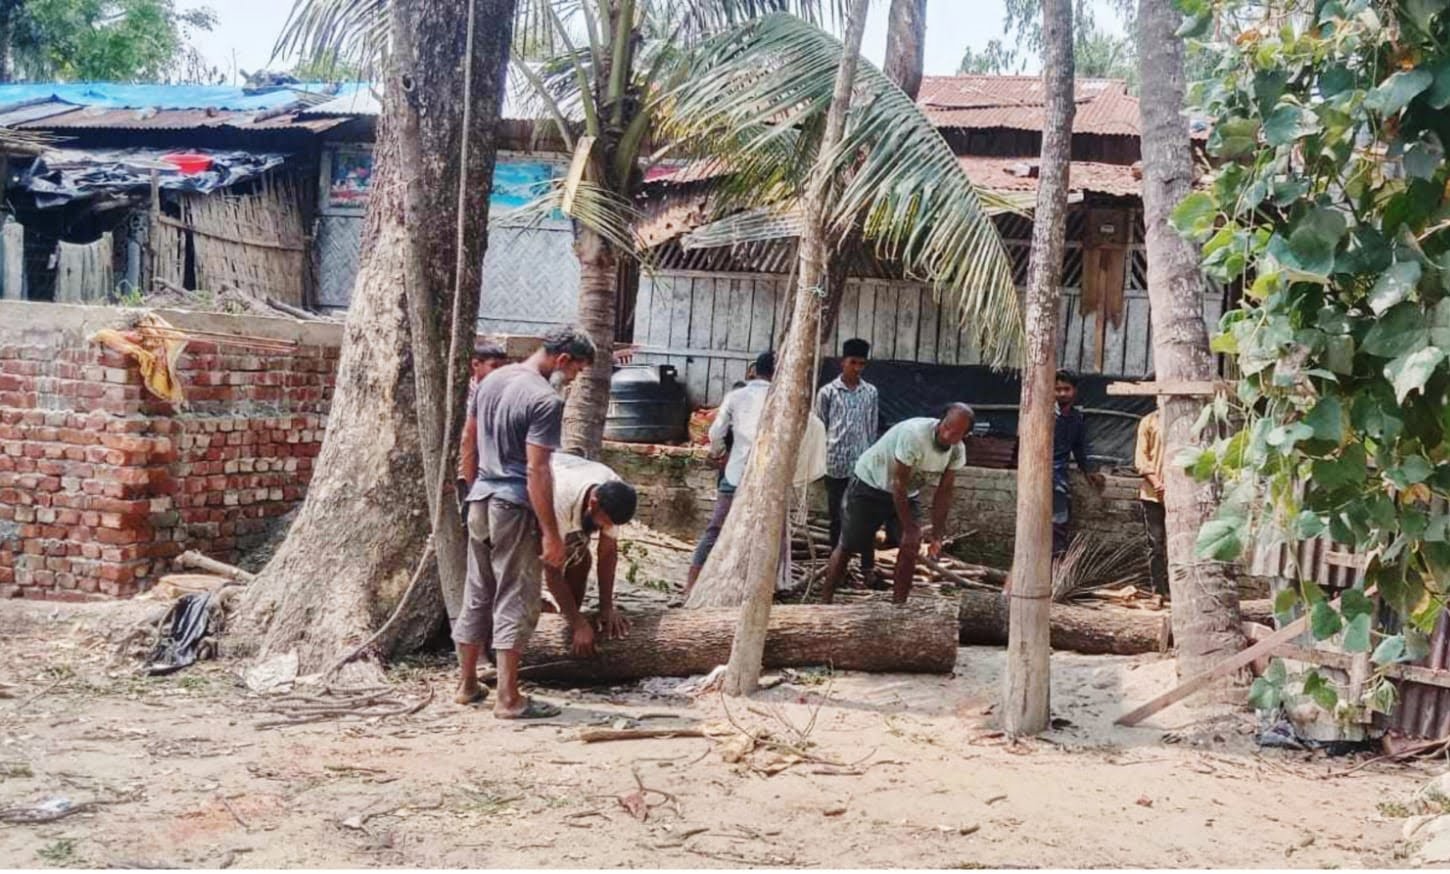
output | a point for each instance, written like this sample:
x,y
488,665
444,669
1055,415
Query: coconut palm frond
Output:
x,y
1089,564
596,208
339,31
773,78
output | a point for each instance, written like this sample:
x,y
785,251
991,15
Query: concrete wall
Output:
x,y
101,483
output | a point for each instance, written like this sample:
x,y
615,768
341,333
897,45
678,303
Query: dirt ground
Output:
x,y
896,771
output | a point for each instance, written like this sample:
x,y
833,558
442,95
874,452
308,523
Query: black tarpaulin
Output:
x,y
62,175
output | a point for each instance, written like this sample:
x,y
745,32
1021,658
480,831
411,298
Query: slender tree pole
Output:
x,y
773,460
1206,626
906,45
1028,681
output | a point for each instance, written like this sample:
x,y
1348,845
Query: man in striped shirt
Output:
x,y
848,407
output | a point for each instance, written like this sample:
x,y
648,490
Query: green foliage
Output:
x,y
1097,52
1328,201
103,40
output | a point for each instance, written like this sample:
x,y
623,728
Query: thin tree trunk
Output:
x,y
351,552
599,278
906,44
1028,680
749,549
8,11
1206,624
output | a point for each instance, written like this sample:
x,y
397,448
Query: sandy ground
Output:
x,y
184,777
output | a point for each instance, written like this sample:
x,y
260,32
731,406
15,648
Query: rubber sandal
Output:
x,y
478,697
535,709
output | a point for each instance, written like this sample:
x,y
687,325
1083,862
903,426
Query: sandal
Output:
x,y
479,696
534,709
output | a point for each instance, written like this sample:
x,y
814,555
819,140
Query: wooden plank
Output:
x,y
762,314
1065,310
1082,352
1135,340
926,344
1114,344
883,322
948,334
644,308
720,380
1231,665
908,321
969,353
702,316
1344,661
846,317
866,316
737,337
1174,388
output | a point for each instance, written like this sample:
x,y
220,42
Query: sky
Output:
x,y
248,29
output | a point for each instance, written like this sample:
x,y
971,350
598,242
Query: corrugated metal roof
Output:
x,y
362,102
33,111
92,118
1104,106
1019,174
519,104
113,95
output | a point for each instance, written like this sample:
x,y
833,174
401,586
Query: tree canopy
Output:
x,y
101,40
1097,51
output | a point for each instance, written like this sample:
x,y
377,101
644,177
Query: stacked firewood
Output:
x,y
810,552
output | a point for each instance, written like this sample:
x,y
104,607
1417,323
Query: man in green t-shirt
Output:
x,y
884,491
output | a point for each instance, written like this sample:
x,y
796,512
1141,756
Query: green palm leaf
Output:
x,y
755,97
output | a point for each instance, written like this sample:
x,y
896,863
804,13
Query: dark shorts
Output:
x,y
865,510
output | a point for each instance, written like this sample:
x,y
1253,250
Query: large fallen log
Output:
x,y
1093,630
920,637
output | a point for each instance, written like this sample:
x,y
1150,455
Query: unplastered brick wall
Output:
x,y
677,494
102,483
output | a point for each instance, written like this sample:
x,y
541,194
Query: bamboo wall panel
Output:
x,y
255,243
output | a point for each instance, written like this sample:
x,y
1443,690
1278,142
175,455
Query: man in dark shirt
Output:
x,y
1069,441
514,534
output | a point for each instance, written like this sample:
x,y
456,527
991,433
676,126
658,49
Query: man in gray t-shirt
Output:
x,y
513,533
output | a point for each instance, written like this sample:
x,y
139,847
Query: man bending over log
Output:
x,y
589,497
884,491
513,529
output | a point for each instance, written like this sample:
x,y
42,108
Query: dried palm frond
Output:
x,y
1090,564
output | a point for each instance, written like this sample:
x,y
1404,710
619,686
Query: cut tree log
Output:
x,y
920,637
1093,630
194,559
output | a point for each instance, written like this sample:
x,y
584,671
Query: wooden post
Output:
x,y
153,228
1025,710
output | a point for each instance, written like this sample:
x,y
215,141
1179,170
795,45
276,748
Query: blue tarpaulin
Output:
x,y
111,95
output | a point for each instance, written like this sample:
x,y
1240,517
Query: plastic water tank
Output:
x,y
647,404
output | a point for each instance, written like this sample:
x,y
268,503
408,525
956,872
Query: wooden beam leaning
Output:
x,y
1268,646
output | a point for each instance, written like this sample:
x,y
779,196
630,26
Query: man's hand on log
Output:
x,y
583,638
612,624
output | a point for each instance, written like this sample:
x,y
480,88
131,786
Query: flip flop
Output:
x,y
479,696
535,709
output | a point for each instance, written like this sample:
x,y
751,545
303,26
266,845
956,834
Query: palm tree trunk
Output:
x,y
9,9
906,44
1206,624
599,279
1026,708
349,556
749,547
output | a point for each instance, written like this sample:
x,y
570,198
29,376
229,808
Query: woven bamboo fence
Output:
x,y
253,243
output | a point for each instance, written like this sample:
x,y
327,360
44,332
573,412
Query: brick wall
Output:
x,y
677,494
101,483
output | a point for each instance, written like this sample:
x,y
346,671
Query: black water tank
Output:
x,y
647,405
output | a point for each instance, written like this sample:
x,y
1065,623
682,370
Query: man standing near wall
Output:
x,y
513,528
738,419
884,491
1069,441
487,357
1148,459
849,408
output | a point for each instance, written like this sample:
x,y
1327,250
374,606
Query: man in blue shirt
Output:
x,y
1069,441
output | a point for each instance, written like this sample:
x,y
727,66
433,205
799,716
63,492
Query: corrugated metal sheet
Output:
x,y
1104,106
95,118
1019,174
33,111
121,96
